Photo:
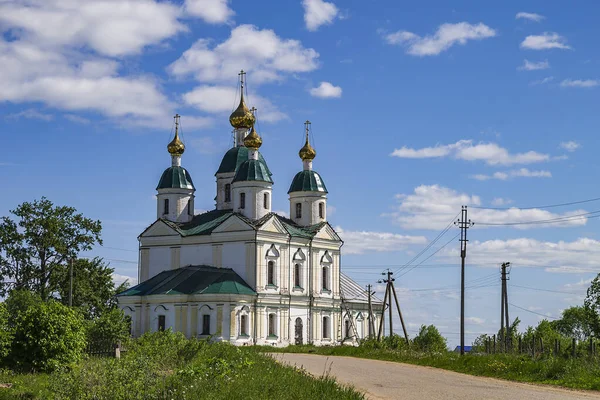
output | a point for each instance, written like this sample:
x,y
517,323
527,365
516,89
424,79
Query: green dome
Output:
x,y
253,170
175,178
235,157
307,181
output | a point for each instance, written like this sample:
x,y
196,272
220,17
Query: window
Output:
x,y
205,324
347,329
321,210
272,330
190,207
227,193
325,278
161,322
266,201
298,210
242,200
271,273
166,207
325,327
244,325
297,275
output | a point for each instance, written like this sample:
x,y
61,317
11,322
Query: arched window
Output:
x,y
325,278
347,332
190,207
325,328
205,324
166,207
161,323
243,325
266,201
272,327
321,210
227,193
242,200
298,210
297,271
271,273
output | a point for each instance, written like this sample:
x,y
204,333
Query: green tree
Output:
x,y
47,335
6,333
44,237
93,287
578,322
429,339
110,327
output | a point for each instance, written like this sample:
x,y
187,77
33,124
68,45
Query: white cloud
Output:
x,y
211,11
579,83
547,40
31,113
118,279
77,119
266,57
360,242
475,320
318,13
529,16
434,206
542,81
109,27
499,201
326,91
522,172
491,153
446,36
583,283
570,146
534,66
220,99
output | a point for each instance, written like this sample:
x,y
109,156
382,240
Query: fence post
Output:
x,y
574,350
591,344
494,344
542,345
520,345
555,347
118,350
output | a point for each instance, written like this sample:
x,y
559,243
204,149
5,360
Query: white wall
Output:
x,y
234,256
197,254
160,260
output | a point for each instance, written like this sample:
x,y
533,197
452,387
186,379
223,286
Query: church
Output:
x,y
242,273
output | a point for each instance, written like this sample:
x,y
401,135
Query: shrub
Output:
x,y
110,327
47,335
5,333
429,339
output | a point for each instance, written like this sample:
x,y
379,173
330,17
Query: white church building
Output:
x,y
242,273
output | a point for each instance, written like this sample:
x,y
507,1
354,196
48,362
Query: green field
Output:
x,y
168,366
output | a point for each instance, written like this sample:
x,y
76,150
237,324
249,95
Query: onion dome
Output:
x,y
242,117
253,170
233,159
253,141
307,153
175,178
307,181
176,147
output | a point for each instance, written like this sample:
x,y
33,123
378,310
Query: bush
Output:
x,y
429,339
110,327
47,335
5,333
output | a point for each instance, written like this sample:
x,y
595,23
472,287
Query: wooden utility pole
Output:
x,y
389,289
504,307
385,297
371,321
463,223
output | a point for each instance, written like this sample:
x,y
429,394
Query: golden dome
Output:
x,y
242,117
253,141
307,153
176,147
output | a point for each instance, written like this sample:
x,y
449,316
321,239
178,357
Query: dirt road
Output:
x,y
390,380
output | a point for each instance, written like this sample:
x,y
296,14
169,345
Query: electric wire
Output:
x,y
431,255
539,207
591,214
533,312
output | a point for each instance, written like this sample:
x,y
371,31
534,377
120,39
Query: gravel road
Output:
x,y
390,380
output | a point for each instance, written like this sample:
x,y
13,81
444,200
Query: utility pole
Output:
x,y
371,321
463,223
385,298
505,274
389,289
501,336
71,283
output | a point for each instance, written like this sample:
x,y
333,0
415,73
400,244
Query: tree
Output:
x,y
93,287
5,332
110,327
578,322
429,339
44,238
47,335
592,300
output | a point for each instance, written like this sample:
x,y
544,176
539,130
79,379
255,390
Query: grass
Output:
x,y
168,366
580,373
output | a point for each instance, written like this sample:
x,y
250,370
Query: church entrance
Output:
x,y
298,334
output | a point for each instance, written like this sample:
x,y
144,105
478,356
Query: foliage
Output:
x,y
44,238
592,299
47,335
429,339
6,333
93,287
578,322
110,327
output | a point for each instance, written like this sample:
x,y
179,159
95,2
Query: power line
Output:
x,y
591,214
543,290
539,207
431,255
118,248
533,312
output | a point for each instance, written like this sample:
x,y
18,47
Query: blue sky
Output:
x,y
417,108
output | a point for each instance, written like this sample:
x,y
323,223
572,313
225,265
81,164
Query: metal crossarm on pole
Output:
x,y
463,223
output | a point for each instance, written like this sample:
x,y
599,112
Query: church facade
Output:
x,y
242,273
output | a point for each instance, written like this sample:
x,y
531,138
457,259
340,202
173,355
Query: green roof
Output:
x,y
307,181
175,178
235,157
253,170
192,279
